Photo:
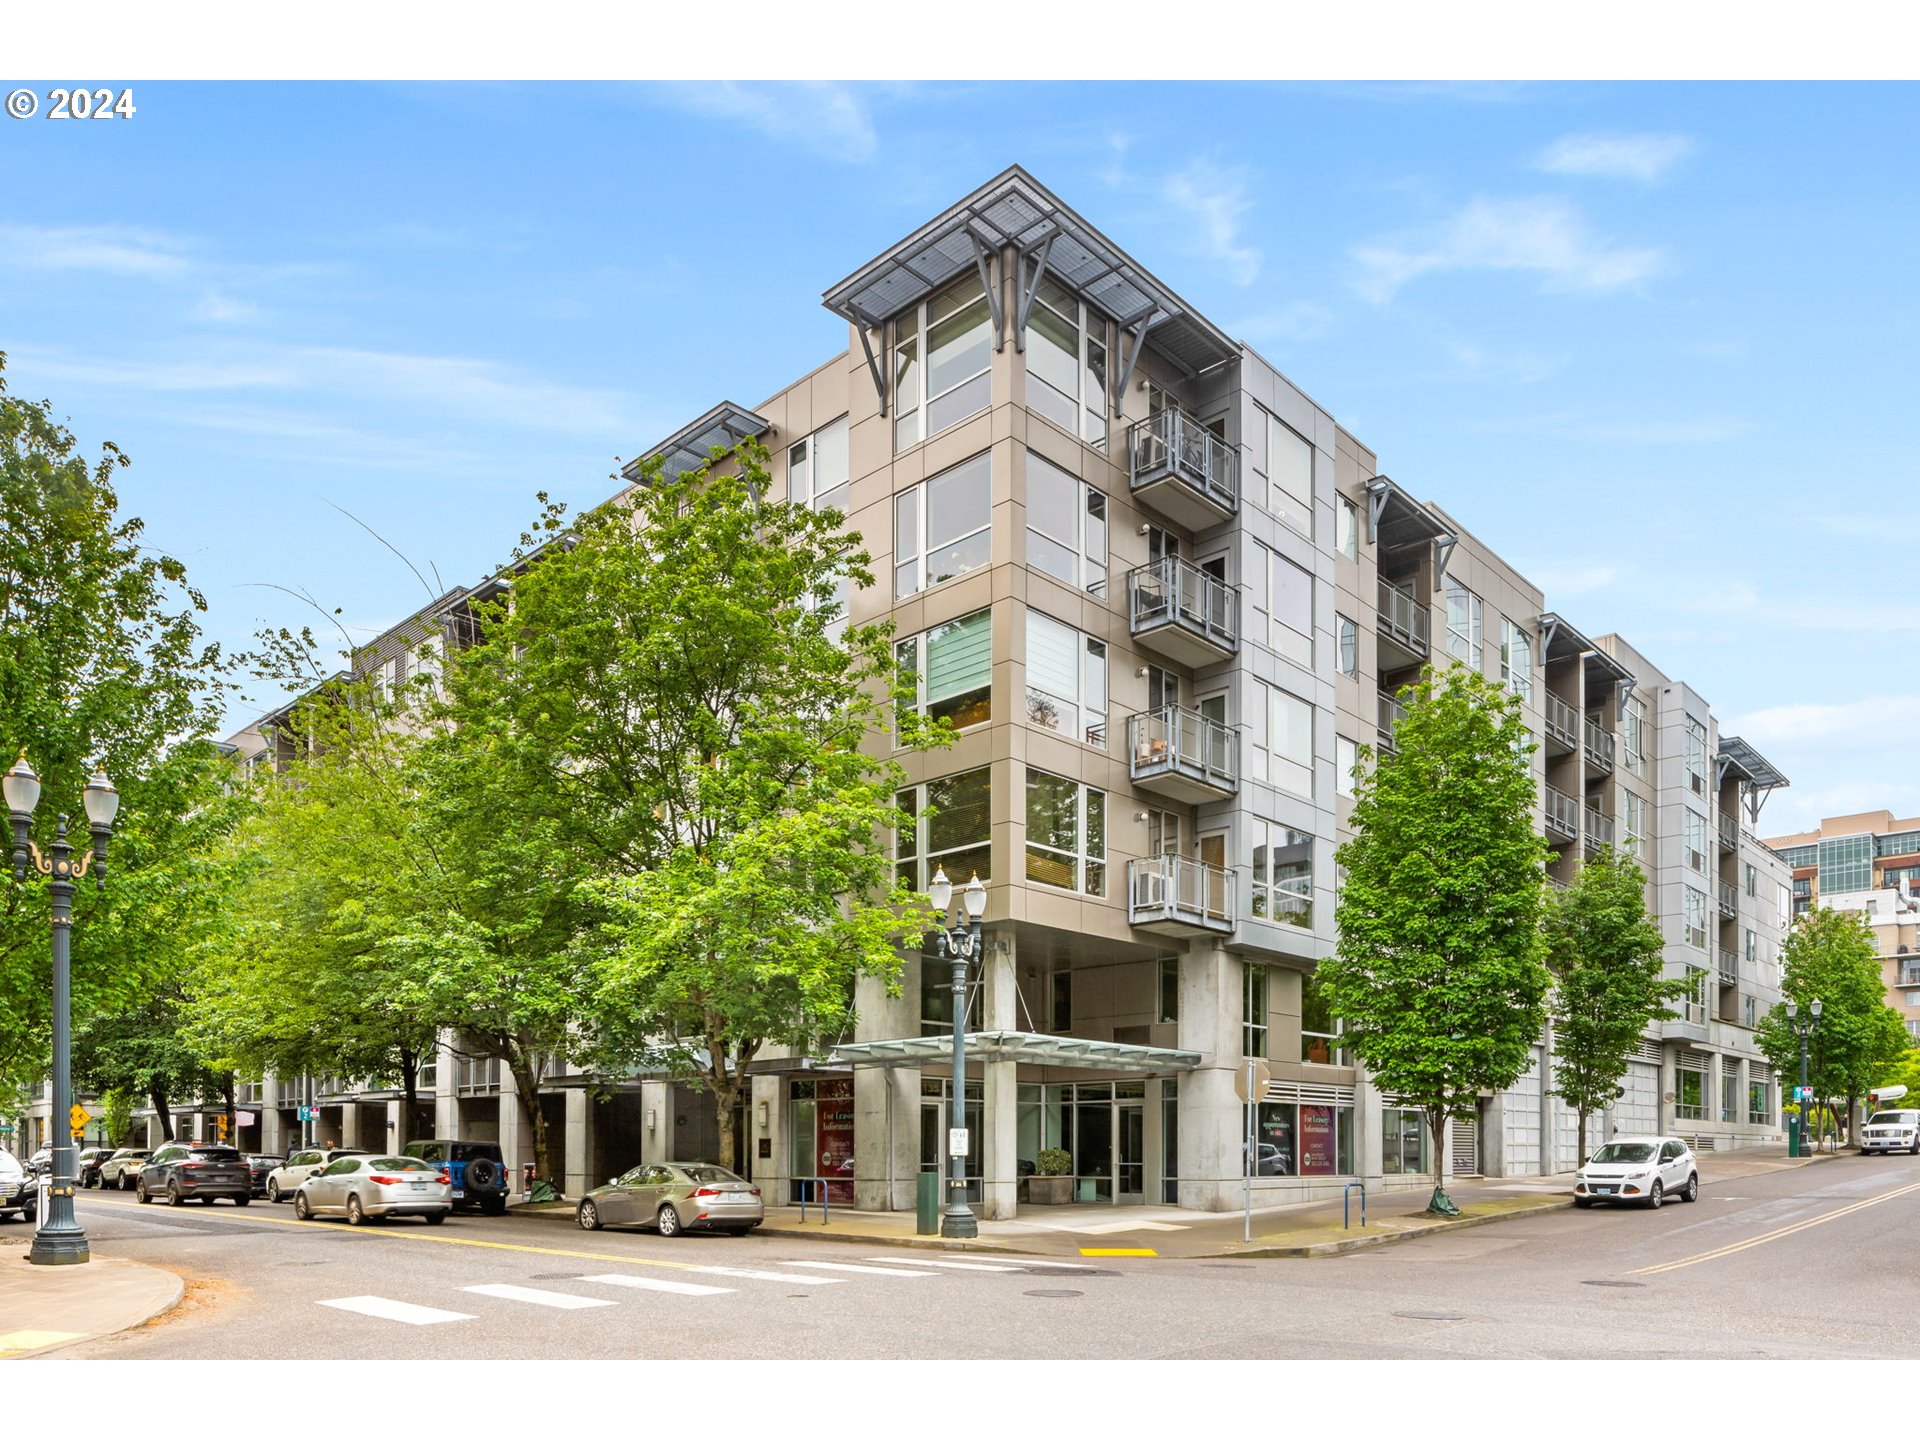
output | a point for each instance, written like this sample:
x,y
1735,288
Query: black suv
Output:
x,y
476,1167
192,1170
19,1189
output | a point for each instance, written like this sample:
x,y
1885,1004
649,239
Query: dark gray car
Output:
x,y
185,1170
19,1191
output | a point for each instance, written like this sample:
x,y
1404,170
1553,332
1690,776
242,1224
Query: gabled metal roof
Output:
x,y
690,447
1015,209
1757,769
1019,1045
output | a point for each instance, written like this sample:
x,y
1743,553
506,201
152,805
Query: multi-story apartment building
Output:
x,y
1868,862
1166,601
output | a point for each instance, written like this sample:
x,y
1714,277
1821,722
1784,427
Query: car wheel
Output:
x,y
588,1215
355,1215
1580,1202
301,1208
126,1181
174,1197
668,1222
439,1217
243,1199
1692,1191
1655,1196
142,1196
273,1191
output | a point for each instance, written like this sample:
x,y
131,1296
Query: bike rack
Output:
x,y
808,1183
1346,1197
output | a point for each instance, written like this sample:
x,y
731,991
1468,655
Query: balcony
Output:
x,y
1729,967
1562,817
1402,622
1183,470
1909,973
1563,725
1183,613
1183,755
1600,744
1172,895
1729,901
1729,833
1392,712
1599,830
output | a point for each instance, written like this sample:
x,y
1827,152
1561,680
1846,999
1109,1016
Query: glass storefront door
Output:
x,y
1131,1120
1102,1125
934,1118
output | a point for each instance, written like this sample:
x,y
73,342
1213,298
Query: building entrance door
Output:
x,y
1130,1119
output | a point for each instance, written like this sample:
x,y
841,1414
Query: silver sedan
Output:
x,y
372,1187
674,1199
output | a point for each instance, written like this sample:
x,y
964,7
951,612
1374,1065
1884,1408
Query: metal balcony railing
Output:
x,y
1563,722
1909,973
1729,832
1729,901
1174,446
1600,746
1562,814
1392,712
1173,891
1599,829
1170,592
1403,619
1729,967
1177,743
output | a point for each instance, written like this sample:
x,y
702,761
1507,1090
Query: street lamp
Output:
x,y
960,945
1804,1028
60,1240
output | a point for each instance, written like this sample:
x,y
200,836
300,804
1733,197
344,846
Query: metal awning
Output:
x,y
1396,520
693,444
1019,1045
1754,767
1013,209
1563,642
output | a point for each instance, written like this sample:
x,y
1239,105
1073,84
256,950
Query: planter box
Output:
x,y
1050,1189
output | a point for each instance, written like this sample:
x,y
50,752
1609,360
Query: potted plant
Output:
x,y
1053,1185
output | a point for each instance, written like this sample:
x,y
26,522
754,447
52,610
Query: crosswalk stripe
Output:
x,y
858,1269
774,1275
644,1282
950,1264
1026,1264
383,1309
552,1299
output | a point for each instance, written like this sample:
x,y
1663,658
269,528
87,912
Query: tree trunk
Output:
x,y
158,1099
1437,1126
526,1085
1580,1144
725,1081
409,1091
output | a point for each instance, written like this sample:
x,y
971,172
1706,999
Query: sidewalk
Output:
x,y
1167,1233
43,1307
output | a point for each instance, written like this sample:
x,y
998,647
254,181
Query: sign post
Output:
x,y
1250,1084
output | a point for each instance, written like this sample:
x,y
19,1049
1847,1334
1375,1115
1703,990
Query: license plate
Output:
x,y
459,1194
1605,1189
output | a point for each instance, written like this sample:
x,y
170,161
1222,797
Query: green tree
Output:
x,y
116,1115
102,660
1604,955
1830,956
1905,1070
1438,976
142,1052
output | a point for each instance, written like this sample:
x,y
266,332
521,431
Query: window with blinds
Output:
x,y
1066,680
952,669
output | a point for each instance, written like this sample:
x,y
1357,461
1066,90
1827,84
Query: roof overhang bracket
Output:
x,y
1442,552
862,326
1135,325
1720,764
1549,626
1378,489
984,251
1621,696
1030,285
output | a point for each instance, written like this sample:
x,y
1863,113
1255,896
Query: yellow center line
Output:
x,y
380,1233
1779,1234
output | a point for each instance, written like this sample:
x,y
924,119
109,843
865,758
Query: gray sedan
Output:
x,y
674,1199
372,1187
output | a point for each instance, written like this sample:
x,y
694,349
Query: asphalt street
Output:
x,y
1797,1263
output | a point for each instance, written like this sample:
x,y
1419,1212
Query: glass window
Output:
x,y
1693,916
1290,476
1253,1030
1062,997
1752,879
1282,870
949,827
1759,1112
1633,818
942,527
952,667
1691,1104
1403,1143
817,468
1169,1011
1066,527
1066,834
1346,528
1693,836
1463,623
953,329
1516,659
1066,680
1633,732
1349,634
1289,743
1319,1031
1697,756
1346,756
1290,591
1846,864
1295,1139
1067,363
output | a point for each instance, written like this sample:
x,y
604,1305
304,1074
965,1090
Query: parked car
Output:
x,y
1638,1170
260,1167
476,1168
287,1176
674,1199
1890,1130
87,1168
194,1170
122,1167
41,1161
19,1189
374,1187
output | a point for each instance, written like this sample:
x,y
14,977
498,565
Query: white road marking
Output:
x,y
774,1275
948,1264
1115,1227
857,1269
1052,1265
383,1309
552,1299
644,1282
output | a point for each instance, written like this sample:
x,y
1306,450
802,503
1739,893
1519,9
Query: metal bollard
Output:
x,y
1346,1199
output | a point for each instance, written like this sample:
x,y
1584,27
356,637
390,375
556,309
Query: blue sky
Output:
x,y
1652,343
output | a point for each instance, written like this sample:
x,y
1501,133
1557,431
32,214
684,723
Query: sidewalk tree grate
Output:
x,y
1054,1294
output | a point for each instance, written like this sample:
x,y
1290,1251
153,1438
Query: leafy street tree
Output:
x,y
1438,974
1830,956
1903,1071
1604,954
102,660
141,1052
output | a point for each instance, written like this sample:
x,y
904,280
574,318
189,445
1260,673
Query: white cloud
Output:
x,y
1217,199
830,119
1625,157
1575,580
1299,320
1879,715
1609,430
108,249
1544,237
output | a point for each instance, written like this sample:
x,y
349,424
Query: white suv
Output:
x,y
1890,1130
1638,1170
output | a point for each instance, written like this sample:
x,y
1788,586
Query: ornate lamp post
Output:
x,y
60,1240
1804,1028
960,945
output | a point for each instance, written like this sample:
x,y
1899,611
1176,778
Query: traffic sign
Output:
x,y
1250,1080
77,1117
957,1140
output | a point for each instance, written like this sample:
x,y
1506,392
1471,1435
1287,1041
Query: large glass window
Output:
x,y
1633,737
1066,680
1349,637
1403,1143
1693,839
1693,916
1282,887
1290,476
1066,527
1633,819
1759,1112
949,827
942,528
817,468
1289,743
952,668
1253,995
1319,1031
1066,834
943,351
1290,604
1169,976
1295,1139
1346,759
1067,363
1516,659
1463,623
1697,756
1346,527
1846,864
1691,1101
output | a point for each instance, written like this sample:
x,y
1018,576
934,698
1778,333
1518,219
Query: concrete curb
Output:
x,y
174,1292
1387,1237
849,1237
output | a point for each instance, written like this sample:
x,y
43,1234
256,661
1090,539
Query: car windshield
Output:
x,y
476,1152
209,1152
1892,1117
399,1162
708,1174
9,1165
1618,1154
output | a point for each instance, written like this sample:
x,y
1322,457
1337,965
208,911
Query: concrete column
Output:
x,y
579,1147
1000,1114
350,1127
1669,1089
769,1170
395,1108
886,1138
1212,1120
656,1120
446,1091
516,1145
